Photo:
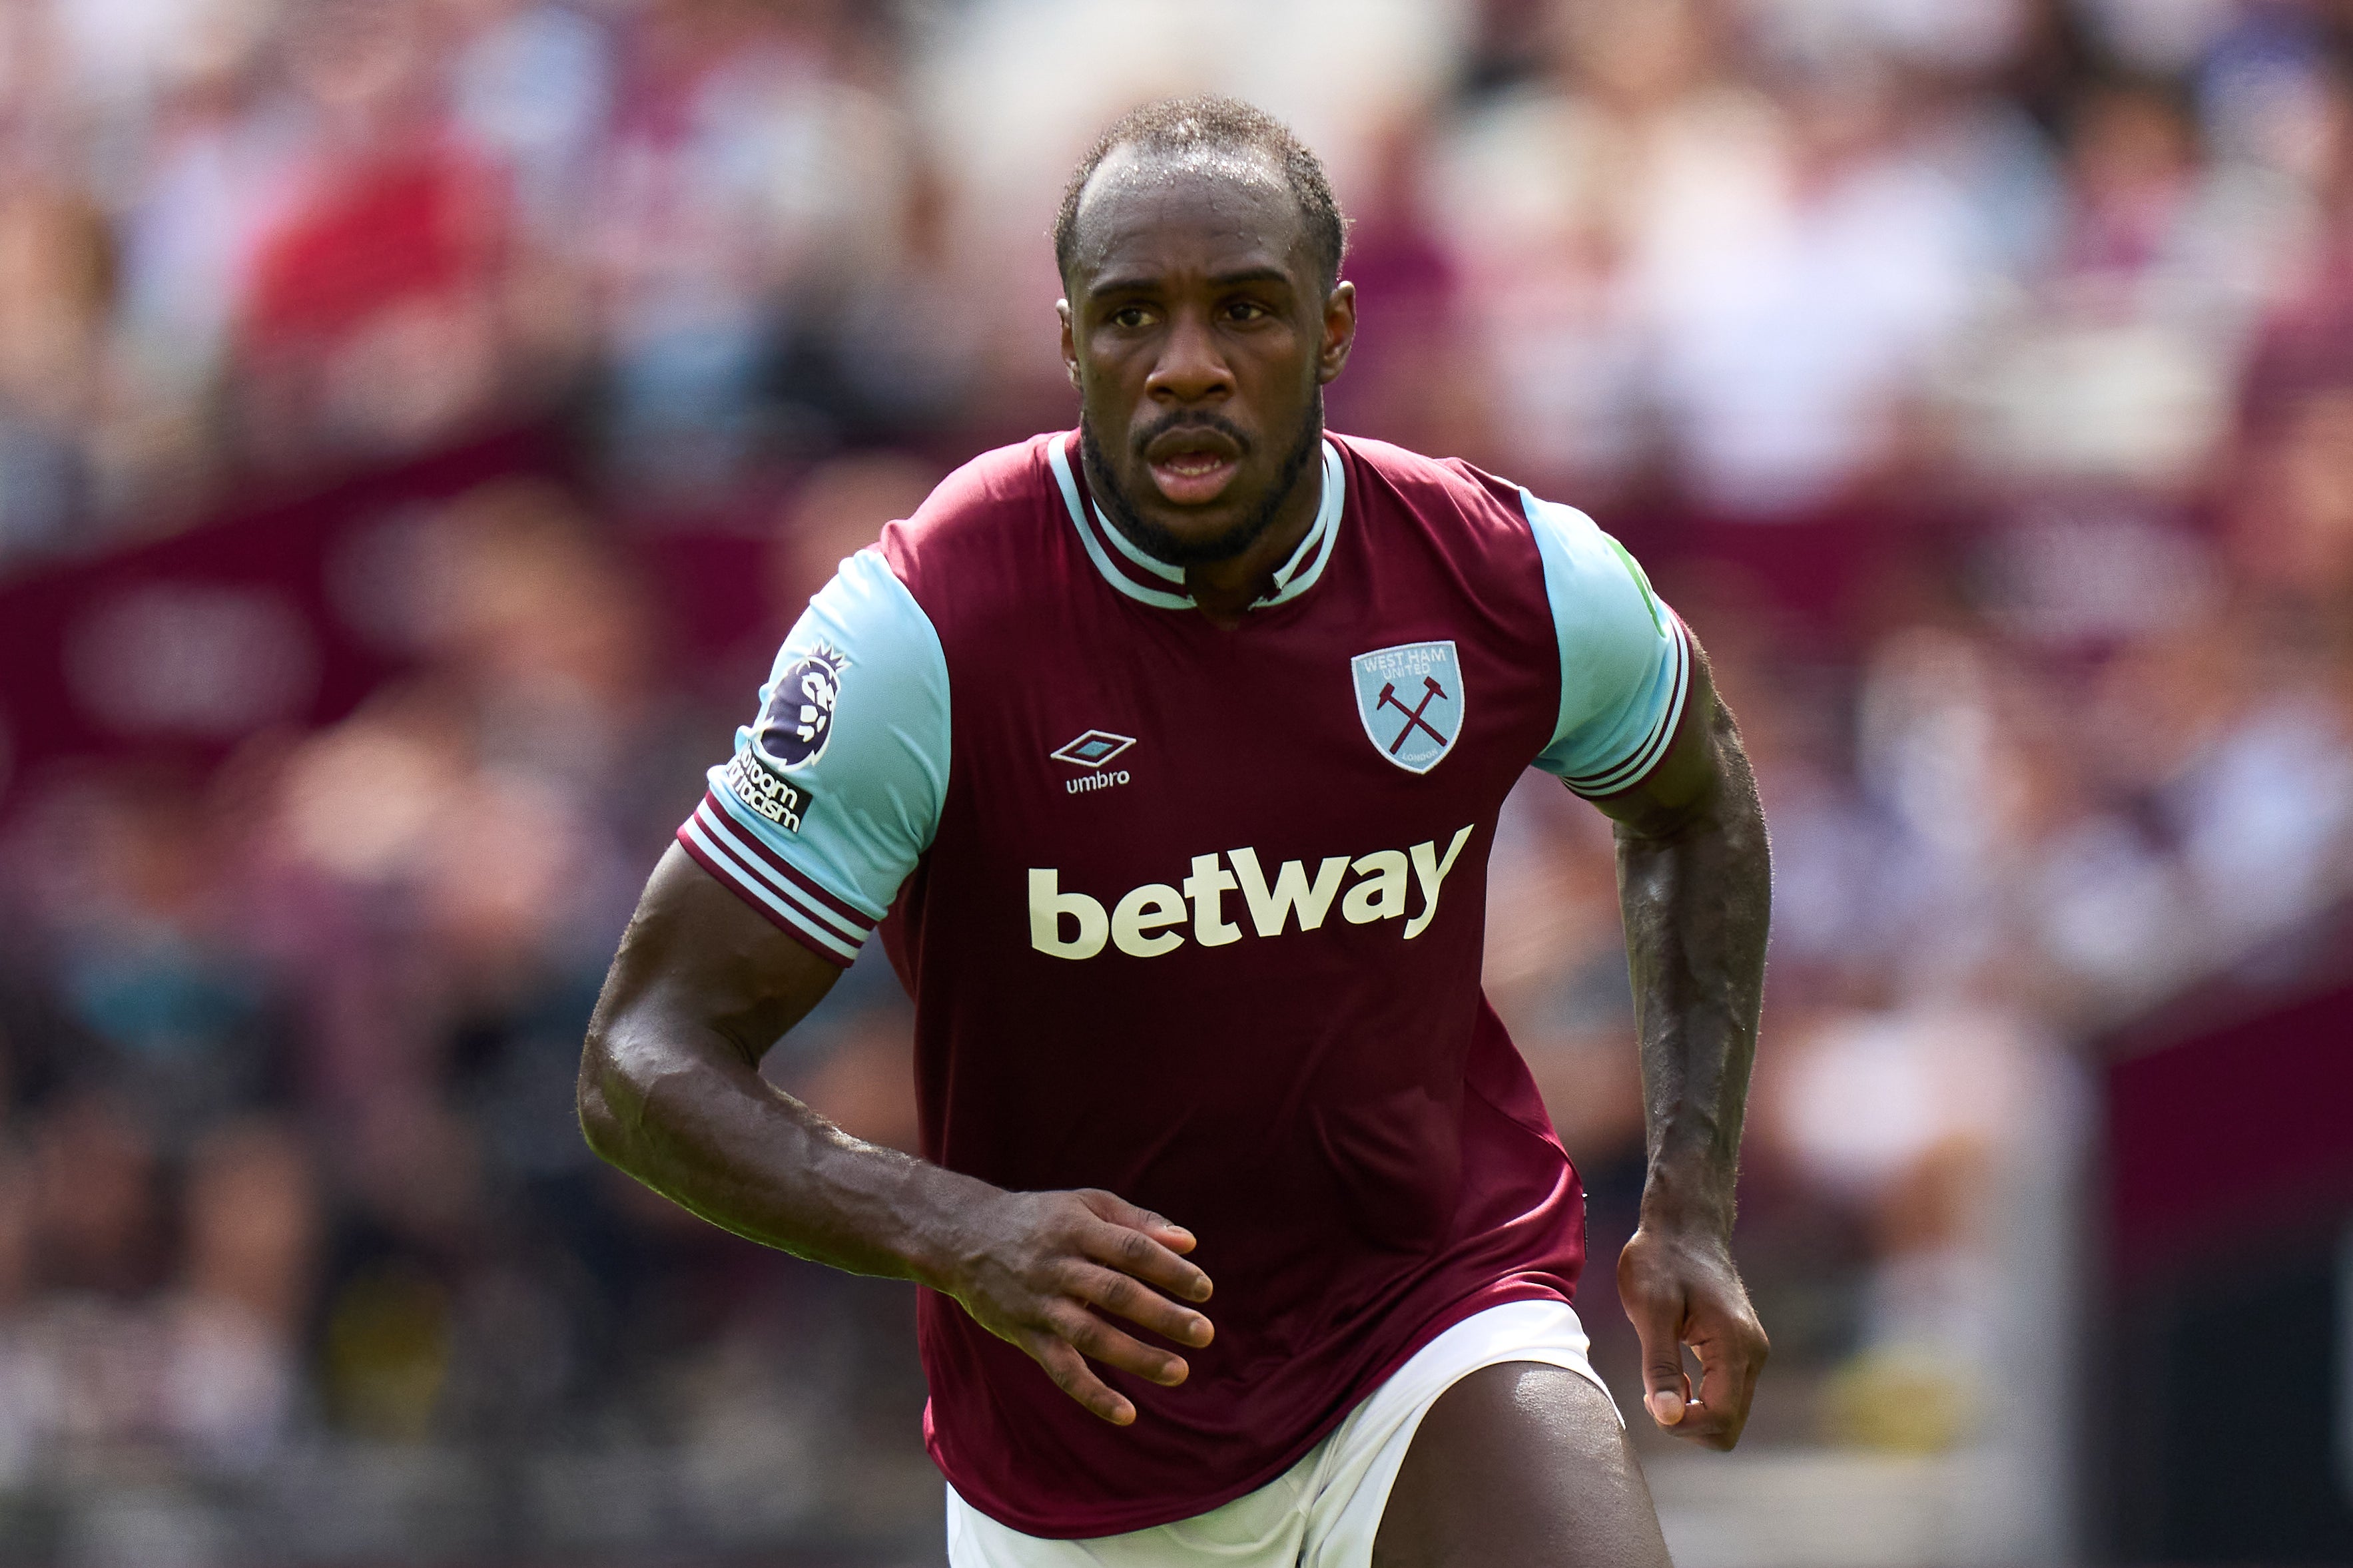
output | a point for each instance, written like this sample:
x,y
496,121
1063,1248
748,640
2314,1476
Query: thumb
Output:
x,y
1666,1388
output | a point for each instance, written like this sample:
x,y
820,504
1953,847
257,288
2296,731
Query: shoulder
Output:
x,y
1438,489
866,609
985,541
1587,572
1461,523
974,513
1458,503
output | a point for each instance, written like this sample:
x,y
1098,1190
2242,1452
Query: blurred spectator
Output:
x,y
249,1265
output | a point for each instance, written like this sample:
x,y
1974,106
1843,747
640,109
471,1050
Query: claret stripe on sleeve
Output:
x,y
1632,771
765,880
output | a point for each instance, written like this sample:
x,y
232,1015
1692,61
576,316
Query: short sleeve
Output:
x,y
1625,658
835,788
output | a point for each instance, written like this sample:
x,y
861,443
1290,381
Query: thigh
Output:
x,y
1519,1465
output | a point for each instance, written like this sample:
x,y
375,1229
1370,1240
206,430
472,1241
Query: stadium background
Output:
x,y
420,418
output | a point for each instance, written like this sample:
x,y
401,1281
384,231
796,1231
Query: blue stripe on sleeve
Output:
x,y
1625,659
873,791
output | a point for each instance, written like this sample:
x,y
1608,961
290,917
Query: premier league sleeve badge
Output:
x,y
793,726
797,721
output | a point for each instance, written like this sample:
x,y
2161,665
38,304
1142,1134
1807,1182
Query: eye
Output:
x,y
1129,317
1246,311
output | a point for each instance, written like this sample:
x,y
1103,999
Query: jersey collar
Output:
x,y
1150,581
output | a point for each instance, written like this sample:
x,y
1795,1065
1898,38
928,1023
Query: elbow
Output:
x,y
1728,806
594,1094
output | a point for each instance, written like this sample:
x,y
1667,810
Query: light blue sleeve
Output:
x,y
1625,658
835,788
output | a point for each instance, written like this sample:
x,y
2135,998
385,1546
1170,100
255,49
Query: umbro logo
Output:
x,y
1094,748
1091,750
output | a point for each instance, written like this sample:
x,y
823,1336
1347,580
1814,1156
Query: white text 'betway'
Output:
x,y
1074,925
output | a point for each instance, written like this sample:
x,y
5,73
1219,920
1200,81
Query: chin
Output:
x,y
1199,535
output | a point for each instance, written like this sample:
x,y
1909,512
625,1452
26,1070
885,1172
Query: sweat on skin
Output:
x,y
1139,924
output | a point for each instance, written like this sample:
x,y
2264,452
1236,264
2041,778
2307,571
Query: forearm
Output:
x,y
670,1092
1695,897
698,1124
683,1110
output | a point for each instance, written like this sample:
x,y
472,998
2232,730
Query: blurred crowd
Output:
x,y
1976,376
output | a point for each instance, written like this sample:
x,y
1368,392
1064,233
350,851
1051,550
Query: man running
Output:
x,y
1166,755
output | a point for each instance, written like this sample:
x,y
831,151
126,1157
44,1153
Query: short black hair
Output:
x,y
1212,123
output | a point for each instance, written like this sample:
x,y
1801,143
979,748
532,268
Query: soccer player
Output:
x,y
1165,754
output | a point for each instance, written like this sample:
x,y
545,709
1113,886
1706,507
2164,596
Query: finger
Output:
x,y
1119,1211
1100,1341
1710,1423
1726,1375
1666,1391
1138,1303
1132,1252
1728,1364
1705,1428
1072,1376
1713,1424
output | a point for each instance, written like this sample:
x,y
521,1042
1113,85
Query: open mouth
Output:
x,y
1193,467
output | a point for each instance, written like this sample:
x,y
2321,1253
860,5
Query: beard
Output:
x,y
1164,545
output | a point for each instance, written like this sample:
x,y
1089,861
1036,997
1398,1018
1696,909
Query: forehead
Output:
x,y
1219,207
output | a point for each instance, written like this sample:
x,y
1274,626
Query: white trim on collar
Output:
x,y
1314,552
1293,578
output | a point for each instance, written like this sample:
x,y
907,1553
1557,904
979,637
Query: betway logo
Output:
x,y
1143,922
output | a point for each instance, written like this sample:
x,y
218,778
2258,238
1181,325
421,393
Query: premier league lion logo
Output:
x,y
799,719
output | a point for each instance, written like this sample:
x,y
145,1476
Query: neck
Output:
x,y
1225,590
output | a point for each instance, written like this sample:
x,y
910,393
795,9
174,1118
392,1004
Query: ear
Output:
x,y
1070,342
1339,333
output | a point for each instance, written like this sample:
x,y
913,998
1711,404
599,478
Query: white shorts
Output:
x,y
1325,1510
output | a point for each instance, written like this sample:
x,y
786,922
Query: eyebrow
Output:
x,y
1249,275
1134,282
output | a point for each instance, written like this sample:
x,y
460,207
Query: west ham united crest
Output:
x,y
799,719
1411,698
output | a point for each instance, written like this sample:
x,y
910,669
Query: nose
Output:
x,y
1191,368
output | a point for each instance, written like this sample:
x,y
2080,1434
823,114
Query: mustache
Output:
x,y
1189,419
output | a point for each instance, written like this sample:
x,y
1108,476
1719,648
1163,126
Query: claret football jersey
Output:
x,y
1195,914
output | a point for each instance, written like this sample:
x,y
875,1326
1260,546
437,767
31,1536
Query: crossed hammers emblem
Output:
x,y
1413,719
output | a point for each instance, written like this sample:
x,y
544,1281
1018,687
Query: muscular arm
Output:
x,y
670,1092
1695,885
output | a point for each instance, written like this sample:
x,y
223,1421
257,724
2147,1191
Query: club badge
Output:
x,y
1410,700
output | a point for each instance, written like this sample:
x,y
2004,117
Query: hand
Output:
x,y
1682,1290
1032,1265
